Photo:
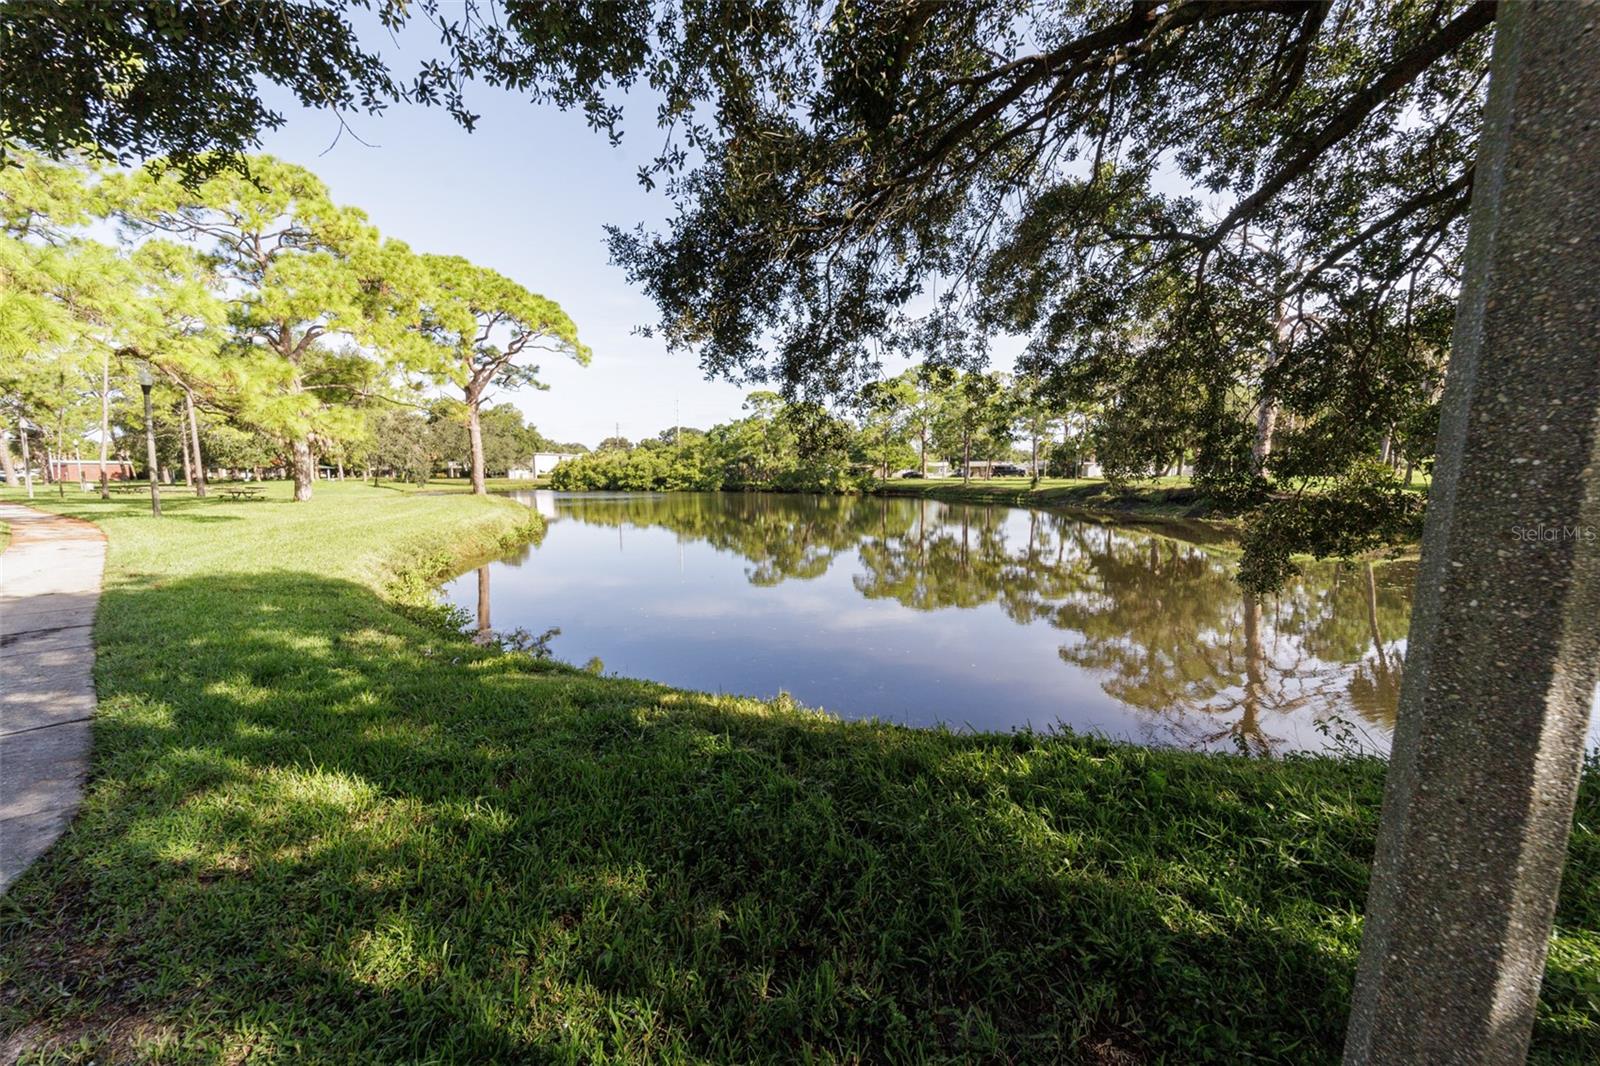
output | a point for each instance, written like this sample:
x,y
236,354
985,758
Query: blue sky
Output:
x,y
527,193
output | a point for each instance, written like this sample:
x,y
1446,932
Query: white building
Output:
x,y
540,465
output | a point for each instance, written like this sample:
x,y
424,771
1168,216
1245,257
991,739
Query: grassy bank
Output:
x,y
1165,498
321,828
464,485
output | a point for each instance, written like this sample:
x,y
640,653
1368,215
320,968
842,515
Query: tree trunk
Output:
x,y
924,451
194,440
151,468
27,462
1267,416
475,435
1035,471
105,424
188,464
1266,422
966,458
12,478
305,469
1502,656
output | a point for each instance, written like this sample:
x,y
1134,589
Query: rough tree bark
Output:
x,y
1503,654
475,436
305,468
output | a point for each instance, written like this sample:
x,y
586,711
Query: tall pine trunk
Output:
x,y
27,461
183,446
475,435
194,441
305,469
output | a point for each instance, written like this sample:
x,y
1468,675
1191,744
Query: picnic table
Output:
x,y
242,492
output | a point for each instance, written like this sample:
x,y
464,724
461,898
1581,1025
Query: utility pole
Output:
x,y
146,383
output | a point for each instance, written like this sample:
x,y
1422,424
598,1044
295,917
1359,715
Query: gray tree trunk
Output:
x,y
475,435
27,462
305,469
194,441
188,463
1503,653
12,478
152,470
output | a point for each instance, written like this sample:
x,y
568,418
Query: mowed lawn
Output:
x,y
322,827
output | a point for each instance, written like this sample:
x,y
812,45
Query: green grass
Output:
x,y
1171,501
320,827
464,485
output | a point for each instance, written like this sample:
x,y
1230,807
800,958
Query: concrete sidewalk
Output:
x,y
49,588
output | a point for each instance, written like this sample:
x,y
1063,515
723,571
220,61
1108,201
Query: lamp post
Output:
x,y
146,382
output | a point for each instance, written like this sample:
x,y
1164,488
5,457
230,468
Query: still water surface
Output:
x,y
973,616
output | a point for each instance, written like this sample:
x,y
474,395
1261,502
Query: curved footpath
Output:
x,y
49,588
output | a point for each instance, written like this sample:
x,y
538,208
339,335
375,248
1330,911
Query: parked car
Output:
x,y
1009,470
908,473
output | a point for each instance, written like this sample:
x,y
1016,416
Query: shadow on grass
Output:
x,y
317,827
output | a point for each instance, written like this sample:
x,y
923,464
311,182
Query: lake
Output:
x,y
981,617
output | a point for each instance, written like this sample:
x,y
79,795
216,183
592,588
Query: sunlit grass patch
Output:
x,y
320,827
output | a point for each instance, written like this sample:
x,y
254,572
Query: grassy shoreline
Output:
x,y
321,827
1169,502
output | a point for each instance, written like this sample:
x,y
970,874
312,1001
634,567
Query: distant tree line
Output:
x,y
903,424
278,330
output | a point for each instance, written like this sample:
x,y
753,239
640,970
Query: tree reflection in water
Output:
x,y
1158,621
